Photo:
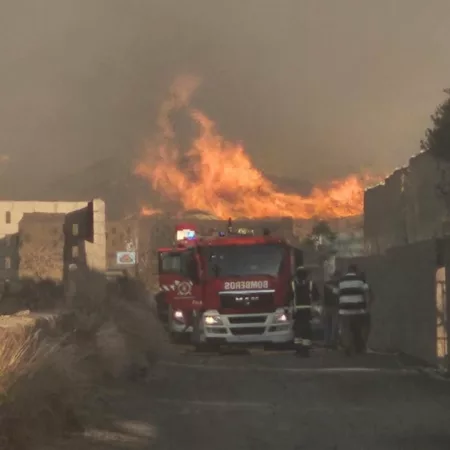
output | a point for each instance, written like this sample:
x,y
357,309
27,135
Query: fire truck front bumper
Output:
x,y
178,323
180,328
261,328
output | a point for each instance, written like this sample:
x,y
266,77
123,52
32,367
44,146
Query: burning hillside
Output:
x,y
218,176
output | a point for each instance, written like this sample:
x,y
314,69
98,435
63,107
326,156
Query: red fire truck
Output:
x,y
229,288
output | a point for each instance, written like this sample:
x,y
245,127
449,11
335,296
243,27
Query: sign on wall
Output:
x,y
126,258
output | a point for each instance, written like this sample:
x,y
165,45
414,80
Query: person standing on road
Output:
x,y
331,311
305,292
353,294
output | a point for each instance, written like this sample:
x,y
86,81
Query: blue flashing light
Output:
x,y
190,234
221,233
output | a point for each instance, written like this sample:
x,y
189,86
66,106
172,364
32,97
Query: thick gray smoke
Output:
x,y
315,89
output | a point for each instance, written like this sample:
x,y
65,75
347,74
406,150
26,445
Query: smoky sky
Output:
x,y
315,89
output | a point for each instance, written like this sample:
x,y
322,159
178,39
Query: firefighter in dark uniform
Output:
x,y
305,292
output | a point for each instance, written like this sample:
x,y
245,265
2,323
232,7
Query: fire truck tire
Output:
x,y
199,344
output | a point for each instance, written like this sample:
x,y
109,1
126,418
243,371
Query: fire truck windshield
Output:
x,y
245,260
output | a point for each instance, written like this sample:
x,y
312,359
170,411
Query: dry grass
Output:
x,y
121,337
42,388
45,383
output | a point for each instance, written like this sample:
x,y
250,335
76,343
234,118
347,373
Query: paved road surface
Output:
x,y
277,401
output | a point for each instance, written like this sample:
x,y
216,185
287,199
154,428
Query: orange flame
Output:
x,y
221,179
148,211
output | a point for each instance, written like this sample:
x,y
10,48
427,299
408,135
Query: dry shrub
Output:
x,y
45,383
112,351
123,337
142,332
43,391
122,332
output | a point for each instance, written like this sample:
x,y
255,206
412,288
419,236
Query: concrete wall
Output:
x,y
404,284
82,248
96,250
85,250
407,207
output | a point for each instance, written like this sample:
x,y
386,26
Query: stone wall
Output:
x,y
41,240
11,214
407,207
85,235
41,247
405,313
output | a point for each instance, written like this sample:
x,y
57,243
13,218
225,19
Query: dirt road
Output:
x,y
276,401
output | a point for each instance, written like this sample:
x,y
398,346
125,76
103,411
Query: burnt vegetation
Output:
x,y
437,138
437,142
320,233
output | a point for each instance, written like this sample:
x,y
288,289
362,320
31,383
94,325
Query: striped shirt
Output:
x,y
352,292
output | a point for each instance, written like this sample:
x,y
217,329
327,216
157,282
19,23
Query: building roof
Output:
x,y
42,217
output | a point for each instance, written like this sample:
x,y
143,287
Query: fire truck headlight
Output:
x,y
178,315
213,320
280,316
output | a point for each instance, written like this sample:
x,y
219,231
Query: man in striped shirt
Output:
x,y
353,294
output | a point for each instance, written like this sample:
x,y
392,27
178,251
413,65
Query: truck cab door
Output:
x,y
180,281
169,267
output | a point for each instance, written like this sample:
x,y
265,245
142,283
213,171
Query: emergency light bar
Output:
x,y
185,234
246,232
